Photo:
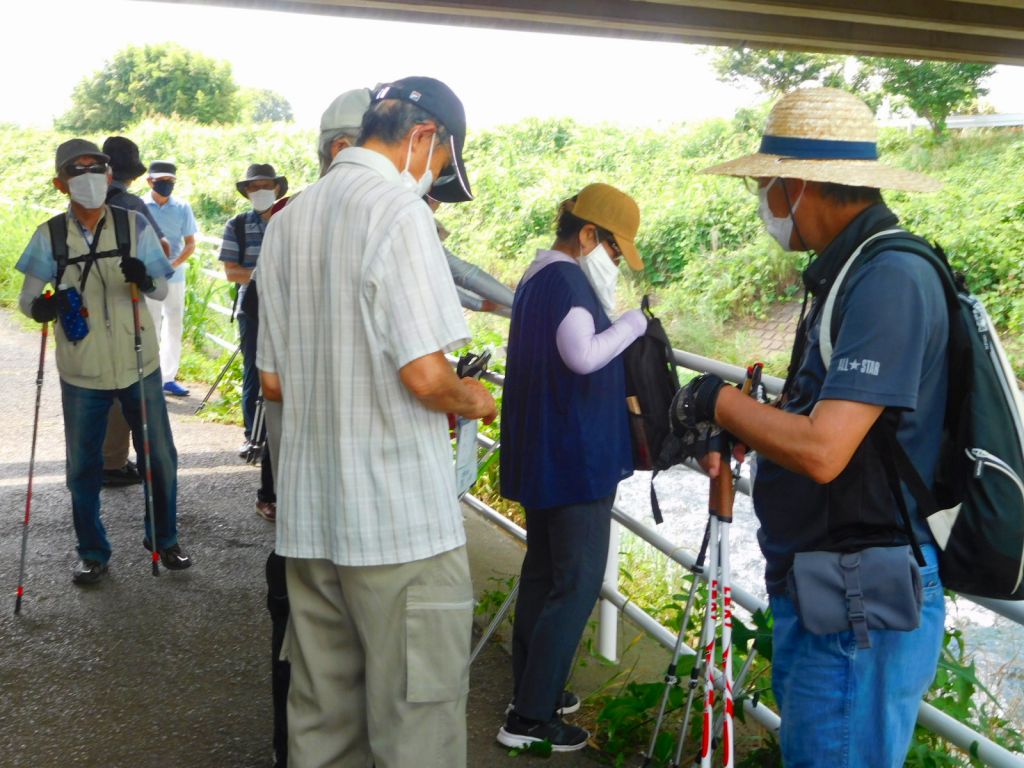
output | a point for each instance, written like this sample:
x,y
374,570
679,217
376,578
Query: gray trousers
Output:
x,y
380,663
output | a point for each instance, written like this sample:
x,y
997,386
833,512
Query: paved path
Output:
x,y
141,672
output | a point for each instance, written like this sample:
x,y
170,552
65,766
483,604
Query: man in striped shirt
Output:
x,y
358,310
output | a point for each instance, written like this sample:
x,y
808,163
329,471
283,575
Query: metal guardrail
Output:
x,y
961,122
950,729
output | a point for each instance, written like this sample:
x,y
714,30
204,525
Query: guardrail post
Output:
x,y
608,615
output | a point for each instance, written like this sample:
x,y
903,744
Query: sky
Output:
x,y
500,76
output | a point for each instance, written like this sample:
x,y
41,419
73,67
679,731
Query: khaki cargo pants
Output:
x,y
380,663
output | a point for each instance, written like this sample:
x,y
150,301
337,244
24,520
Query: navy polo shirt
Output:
x,y
891,350
564,436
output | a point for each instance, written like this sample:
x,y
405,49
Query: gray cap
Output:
x,y
345,114
73,149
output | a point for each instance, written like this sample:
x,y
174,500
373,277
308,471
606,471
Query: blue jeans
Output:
x,y
848,707
566,552
248,328
85,426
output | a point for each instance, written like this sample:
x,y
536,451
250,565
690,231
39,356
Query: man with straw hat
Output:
x,y
855,644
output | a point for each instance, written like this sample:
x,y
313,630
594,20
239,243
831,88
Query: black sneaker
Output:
x,y
88,572
245,449
126,475
172,557
519,732
568,703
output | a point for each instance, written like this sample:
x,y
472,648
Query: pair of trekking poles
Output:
x,y
718,729
147,464
255,450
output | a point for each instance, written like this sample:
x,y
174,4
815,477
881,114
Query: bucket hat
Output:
x,y
262,172
124,158
824,135
615,211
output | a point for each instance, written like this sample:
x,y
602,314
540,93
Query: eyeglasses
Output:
x,y
607,237
78,170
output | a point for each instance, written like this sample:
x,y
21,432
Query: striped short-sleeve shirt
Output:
x,y
353,286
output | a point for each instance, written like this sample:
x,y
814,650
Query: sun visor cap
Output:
x,y
437,99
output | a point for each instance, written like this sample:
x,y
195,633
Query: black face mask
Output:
x,y
164,187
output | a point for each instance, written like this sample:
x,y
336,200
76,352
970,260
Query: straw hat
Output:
x,y
828,135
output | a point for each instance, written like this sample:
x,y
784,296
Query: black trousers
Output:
x,y
566,553
281,671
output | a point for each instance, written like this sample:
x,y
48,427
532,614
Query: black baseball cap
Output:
x,y
439,100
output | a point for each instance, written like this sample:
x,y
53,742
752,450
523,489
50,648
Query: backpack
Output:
x,y
651,383
975,507
58,226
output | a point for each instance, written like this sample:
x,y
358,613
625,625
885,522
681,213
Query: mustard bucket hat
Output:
x,y
824,135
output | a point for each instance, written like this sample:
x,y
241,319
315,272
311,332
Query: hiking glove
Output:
x,y
134,271
695,403
44,308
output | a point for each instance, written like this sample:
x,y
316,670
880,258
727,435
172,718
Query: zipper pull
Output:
x,y
977,456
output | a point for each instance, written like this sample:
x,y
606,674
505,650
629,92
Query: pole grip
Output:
x,y
721,493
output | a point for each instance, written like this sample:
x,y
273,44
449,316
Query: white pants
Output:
x,y
168,317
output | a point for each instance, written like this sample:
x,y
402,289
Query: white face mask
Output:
x,y
262,199
603,276
420,186
88,190
781,228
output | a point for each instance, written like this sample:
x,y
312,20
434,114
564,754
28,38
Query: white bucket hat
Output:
x,y
824,135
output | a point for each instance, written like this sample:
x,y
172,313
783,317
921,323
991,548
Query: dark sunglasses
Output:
x,y
78,170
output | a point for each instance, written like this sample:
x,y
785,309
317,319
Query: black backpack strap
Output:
x,y
899,466
238,225
58,226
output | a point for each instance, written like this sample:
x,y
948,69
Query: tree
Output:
x,y
262,105
933,89
164,79
776,72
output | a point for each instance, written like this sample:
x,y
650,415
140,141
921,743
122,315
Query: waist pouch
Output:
x,y
876,588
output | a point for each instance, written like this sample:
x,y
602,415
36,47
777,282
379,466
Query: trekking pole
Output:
x,y
495,622
147,472
216,381
257,437
31,468
720,501
719,721
671,679
721,517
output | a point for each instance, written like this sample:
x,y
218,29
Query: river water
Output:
x,y
995,643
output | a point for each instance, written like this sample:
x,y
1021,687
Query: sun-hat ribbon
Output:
x,y
819,149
